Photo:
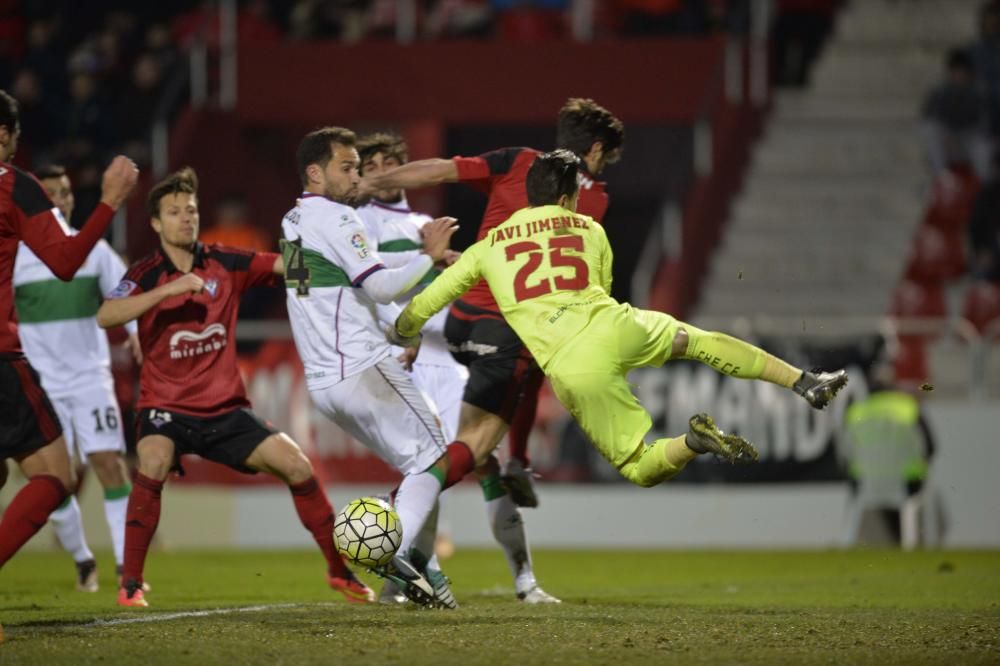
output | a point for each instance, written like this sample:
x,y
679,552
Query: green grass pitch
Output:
x,y
877,607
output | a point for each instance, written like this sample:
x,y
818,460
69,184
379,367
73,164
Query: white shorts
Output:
x,y
91,421
381,408
443,386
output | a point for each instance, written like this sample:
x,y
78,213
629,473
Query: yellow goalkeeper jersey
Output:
x,y
549,269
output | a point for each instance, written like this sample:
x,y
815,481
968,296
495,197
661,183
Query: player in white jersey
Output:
x,y
70,352
337,284
397,232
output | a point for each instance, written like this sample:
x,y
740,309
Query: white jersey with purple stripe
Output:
x,y
335,323
395,230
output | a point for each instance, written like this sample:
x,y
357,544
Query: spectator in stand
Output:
x,y
800,29
346,20
87,118
253,24
984,228
232,227
664,17
459,18
985,55
137,107
954,125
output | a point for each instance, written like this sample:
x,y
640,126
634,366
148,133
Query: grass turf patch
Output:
x,y
880,607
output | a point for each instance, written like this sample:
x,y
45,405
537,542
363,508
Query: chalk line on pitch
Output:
x,y
159,617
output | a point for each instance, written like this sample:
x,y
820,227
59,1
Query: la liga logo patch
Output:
x,y
359,245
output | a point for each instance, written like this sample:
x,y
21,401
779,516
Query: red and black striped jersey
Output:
x,y
188,342
26,214
500,174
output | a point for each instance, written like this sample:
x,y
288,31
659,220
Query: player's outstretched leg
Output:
x,y
423,557
819,388
281,457
651,465
507,525
517,475
50,477
142,519
737,358
109,467
704,437
68,525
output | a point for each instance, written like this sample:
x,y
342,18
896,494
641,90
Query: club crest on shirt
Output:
x,y
359,245
124,288
159,418
212,286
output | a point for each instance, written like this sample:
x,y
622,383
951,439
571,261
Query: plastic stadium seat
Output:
x,y
913,299
910,362
982,304
951,210
937,256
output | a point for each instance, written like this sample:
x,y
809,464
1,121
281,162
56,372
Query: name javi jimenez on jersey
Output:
x,y
529,229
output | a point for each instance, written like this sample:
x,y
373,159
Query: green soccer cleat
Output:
x,y
704,437
409,581
819,388
443,597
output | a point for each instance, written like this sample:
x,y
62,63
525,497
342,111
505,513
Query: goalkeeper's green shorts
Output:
x,y
588,376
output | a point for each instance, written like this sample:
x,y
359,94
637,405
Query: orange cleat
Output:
x,y
131,595
353,589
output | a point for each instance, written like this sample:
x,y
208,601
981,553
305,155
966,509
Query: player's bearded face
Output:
x,y
341,178
376,165
178,221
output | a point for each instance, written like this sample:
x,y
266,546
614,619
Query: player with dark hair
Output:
x,y
29,427
397,232
70,352
504,381
192,400
340,295
550,270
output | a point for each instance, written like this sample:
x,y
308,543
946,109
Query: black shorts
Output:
x,y
500,367
228,438
27,419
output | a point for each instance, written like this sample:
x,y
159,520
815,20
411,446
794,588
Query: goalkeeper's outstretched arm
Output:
x,y
448,286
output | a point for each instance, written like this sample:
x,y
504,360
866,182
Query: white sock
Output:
x,y
508,530
424,543
415,499
68,524
115,508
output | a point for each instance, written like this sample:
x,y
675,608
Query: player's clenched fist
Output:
x,y
187,283
437,234
119,179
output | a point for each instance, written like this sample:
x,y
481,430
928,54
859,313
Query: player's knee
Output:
x,y
679,346
640,474
155,464
108,468
298,469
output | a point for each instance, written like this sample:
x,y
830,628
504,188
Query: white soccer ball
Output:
x,y
368,531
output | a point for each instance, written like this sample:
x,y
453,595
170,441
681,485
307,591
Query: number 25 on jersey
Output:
x,y
525,289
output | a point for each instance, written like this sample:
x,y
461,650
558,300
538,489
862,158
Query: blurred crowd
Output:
x,y
93,76
961,129
89,82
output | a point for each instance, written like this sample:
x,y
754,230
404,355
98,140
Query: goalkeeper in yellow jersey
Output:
x,y
550,272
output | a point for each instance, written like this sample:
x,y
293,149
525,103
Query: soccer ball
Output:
x,y
368,532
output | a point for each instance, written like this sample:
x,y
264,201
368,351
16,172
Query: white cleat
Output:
x,y
537,595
